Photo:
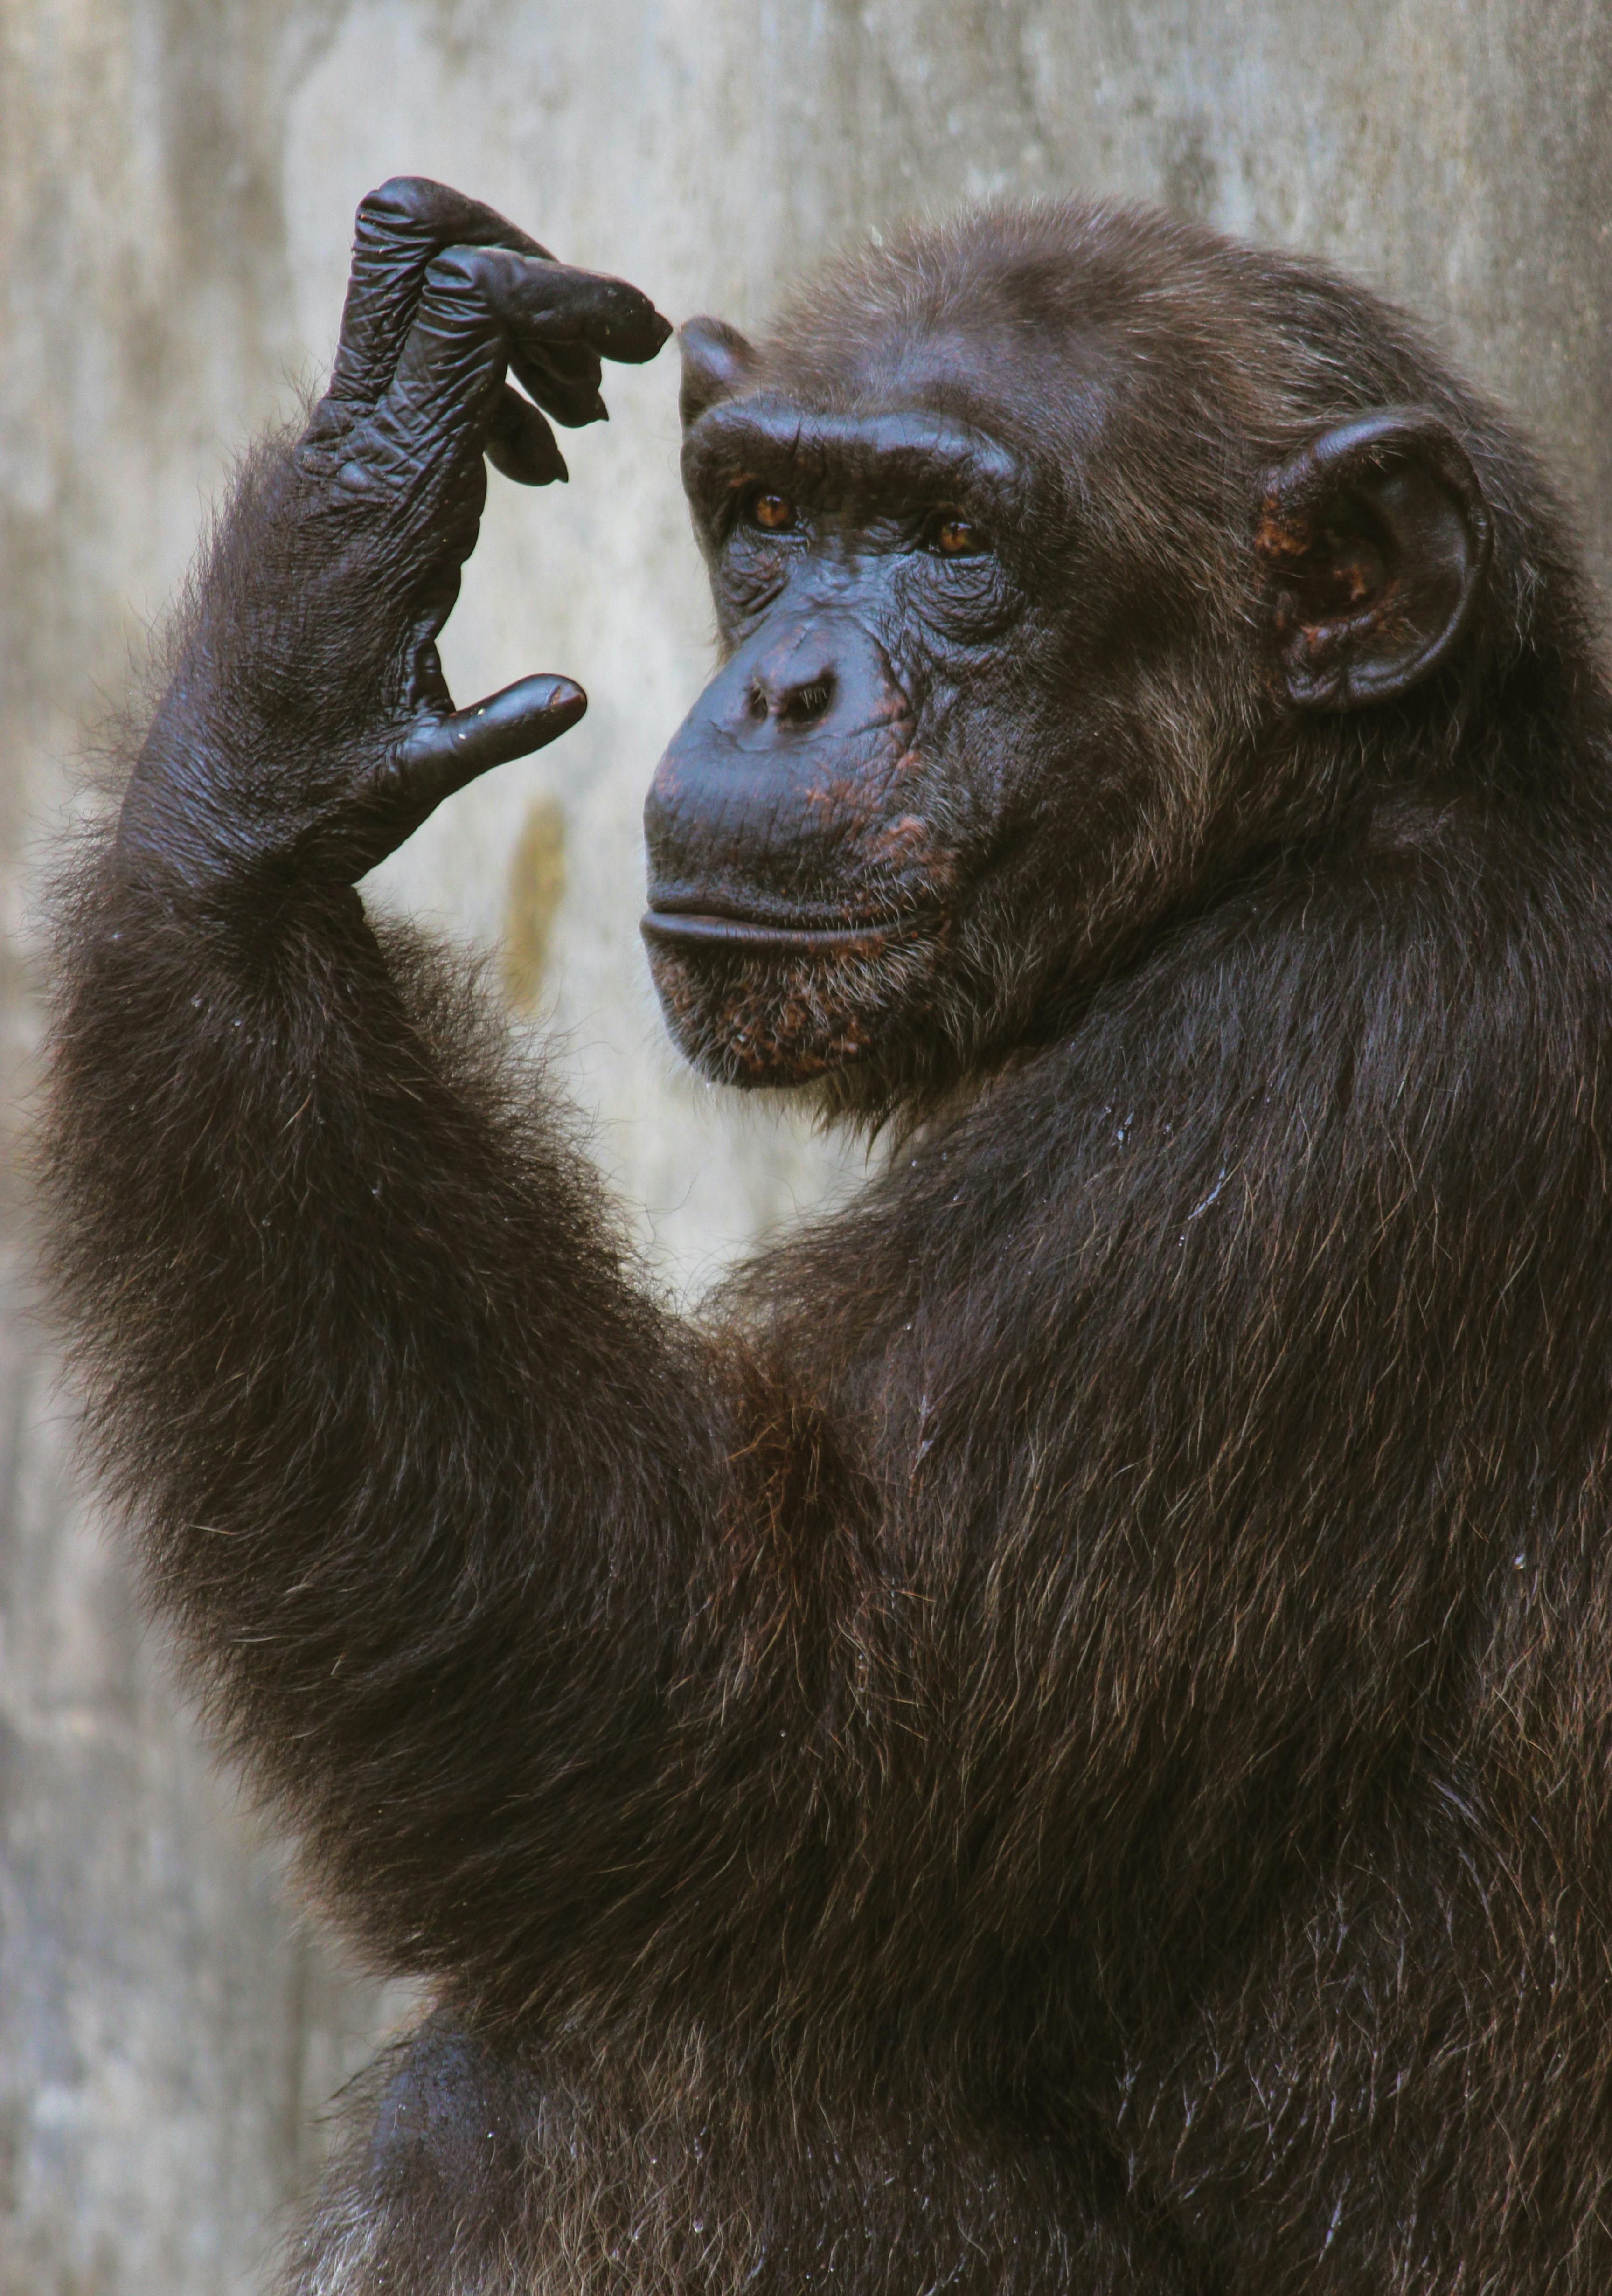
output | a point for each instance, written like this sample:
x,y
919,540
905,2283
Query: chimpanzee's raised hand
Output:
x,y
308,729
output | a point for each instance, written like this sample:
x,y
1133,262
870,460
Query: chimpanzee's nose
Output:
x,y
792,691
786,754
798,681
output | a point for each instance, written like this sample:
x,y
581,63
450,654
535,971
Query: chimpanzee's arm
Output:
x,y
421,1469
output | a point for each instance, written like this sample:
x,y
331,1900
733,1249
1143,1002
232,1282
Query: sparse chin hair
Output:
x,y
764,1020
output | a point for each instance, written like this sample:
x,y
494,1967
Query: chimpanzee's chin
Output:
x,y
759,1019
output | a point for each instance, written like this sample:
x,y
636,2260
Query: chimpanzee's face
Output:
x,y
1016,655
825,807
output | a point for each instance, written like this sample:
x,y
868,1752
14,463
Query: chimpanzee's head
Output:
x,y
1063,561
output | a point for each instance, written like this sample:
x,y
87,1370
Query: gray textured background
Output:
x,y
176,179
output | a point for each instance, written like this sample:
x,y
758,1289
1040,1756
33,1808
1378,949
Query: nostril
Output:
x,y
756,704
801,704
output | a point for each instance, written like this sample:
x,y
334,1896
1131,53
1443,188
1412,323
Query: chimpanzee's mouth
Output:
x,y
715,928
759,993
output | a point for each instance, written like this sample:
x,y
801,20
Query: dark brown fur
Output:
x,y
1061,1738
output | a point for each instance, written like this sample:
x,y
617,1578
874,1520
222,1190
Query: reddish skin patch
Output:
x,y
845,798
902,842
1281,535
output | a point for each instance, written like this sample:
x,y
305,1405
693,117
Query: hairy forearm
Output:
x,y
492,1567
364,1361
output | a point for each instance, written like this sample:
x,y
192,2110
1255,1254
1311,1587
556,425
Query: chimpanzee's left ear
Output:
x,y
1374,536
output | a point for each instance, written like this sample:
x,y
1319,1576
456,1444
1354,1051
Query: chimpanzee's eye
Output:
x,y
957,536
773,514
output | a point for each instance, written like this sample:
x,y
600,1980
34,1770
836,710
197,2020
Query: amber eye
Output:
x,y
958,538
773,514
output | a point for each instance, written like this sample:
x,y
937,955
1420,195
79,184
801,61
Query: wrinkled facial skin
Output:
x,y
825,807
1020,664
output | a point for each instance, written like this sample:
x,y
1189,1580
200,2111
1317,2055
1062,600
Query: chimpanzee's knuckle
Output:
x,y
460,273
330,421
401,199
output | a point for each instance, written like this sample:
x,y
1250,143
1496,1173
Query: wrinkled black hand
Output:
x,y
308,729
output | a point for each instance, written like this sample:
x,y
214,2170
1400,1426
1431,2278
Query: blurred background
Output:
x,y
177,183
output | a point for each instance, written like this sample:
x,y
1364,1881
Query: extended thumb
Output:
x,y
439,755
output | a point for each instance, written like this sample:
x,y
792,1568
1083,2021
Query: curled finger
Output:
x,y
398,231
563,379
548,306
521,444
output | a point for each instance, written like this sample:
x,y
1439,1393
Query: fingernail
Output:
x,y
564,695
600,412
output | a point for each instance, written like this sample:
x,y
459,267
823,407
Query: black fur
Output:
x,y
1059,1738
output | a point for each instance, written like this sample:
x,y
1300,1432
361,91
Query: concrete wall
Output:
x,y
177,178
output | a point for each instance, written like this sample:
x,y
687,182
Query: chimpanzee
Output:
x,y
1058,1735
